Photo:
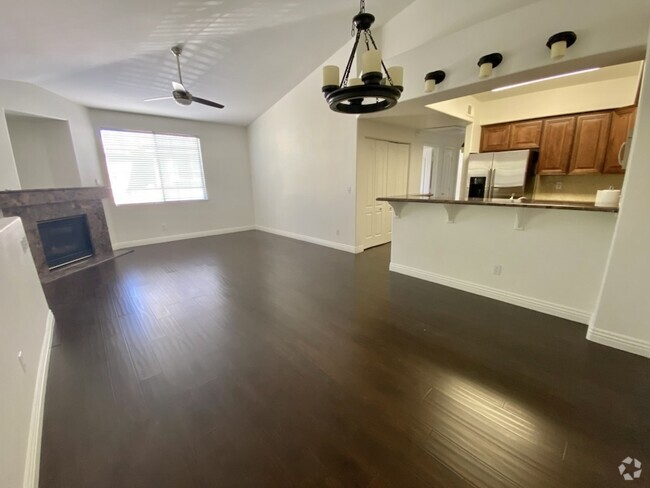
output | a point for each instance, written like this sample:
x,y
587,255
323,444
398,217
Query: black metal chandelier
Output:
x,y
373,92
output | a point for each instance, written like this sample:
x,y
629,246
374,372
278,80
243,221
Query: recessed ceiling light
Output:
x,y
545,79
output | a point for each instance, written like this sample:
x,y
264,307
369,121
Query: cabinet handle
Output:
x,y
620,153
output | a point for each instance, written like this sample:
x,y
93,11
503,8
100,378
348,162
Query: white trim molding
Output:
x,y
619,341
180,237
543,306
312,240
33,459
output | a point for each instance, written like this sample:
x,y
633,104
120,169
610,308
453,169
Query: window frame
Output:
x,y
143,131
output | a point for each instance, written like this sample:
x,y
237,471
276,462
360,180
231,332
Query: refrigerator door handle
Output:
x,y
490,190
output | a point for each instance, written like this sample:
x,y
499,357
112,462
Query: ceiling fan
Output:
x,y
180,94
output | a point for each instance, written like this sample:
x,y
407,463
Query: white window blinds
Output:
x,y
145,167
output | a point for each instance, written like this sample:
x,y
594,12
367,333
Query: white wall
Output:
x,y
43,152
227,175
26,326
622,318
31,100
303,158
609,33
555,265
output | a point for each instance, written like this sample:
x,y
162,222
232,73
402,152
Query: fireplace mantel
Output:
x,y
33,206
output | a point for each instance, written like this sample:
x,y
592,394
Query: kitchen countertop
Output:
x,y
559,205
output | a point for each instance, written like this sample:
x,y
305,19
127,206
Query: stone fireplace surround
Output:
x,y
33,206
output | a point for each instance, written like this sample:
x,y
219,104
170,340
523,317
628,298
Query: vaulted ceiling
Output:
x,y
246,54
114,54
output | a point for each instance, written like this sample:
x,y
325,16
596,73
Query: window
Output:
x,y
145,167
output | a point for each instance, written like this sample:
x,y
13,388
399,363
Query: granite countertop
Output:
x,y
584,206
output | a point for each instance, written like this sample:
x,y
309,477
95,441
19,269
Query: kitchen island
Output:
x,y
546,256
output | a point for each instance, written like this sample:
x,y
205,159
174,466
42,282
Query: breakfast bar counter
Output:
x,y
499,202
542,255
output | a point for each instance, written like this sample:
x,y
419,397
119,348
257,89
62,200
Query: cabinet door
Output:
x,y
622,125
525,135
556,145
590,144
495,137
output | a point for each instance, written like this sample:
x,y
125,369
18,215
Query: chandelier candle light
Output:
x,y
373,92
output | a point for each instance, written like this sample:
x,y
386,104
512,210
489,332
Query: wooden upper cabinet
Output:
x,y
556,145
525,135
590,144
495,137
622,125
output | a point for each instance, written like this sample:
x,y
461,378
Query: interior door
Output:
x,y
396,181
386,174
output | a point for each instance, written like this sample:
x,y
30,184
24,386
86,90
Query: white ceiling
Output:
x,y
114,54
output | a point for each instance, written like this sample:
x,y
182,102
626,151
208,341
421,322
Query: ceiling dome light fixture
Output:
x,y
558,43
487,63
372,92
431,80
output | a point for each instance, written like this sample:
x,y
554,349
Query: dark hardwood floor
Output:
x,y
251,360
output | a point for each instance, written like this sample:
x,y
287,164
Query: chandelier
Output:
x,y
379,88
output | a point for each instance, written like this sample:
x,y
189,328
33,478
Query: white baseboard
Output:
x,y
619,341
312,240
549,308
179,237
33,459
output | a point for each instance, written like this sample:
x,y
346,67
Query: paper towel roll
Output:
x,y
608,198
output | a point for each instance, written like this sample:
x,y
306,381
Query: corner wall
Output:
x,y
622,317
26,326
303,159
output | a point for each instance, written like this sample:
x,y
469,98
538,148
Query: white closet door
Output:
x,y
386,174
396,181
375,179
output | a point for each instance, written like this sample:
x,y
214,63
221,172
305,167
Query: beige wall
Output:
x,y
586,97
43,152
577,188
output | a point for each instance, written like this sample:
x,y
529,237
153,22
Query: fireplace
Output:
x,y
65,240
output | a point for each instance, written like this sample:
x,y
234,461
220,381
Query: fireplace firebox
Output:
x,y
65,240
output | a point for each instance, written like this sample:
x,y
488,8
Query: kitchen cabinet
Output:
x,y
590,143
525,135
622,125
556,145
495,137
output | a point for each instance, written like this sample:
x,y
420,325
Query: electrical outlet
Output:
x,y
163,226
497,270
558,185
338,232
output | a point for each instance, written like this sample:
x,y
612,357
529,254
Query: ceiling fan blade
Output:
x,y
178,86
209,103
159,98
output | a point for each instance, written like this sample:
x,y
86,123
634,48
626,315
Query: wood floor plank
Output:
x,y
251,360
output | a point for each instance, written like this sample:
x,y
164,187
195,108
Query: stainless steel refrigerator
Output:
x,y
501,174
